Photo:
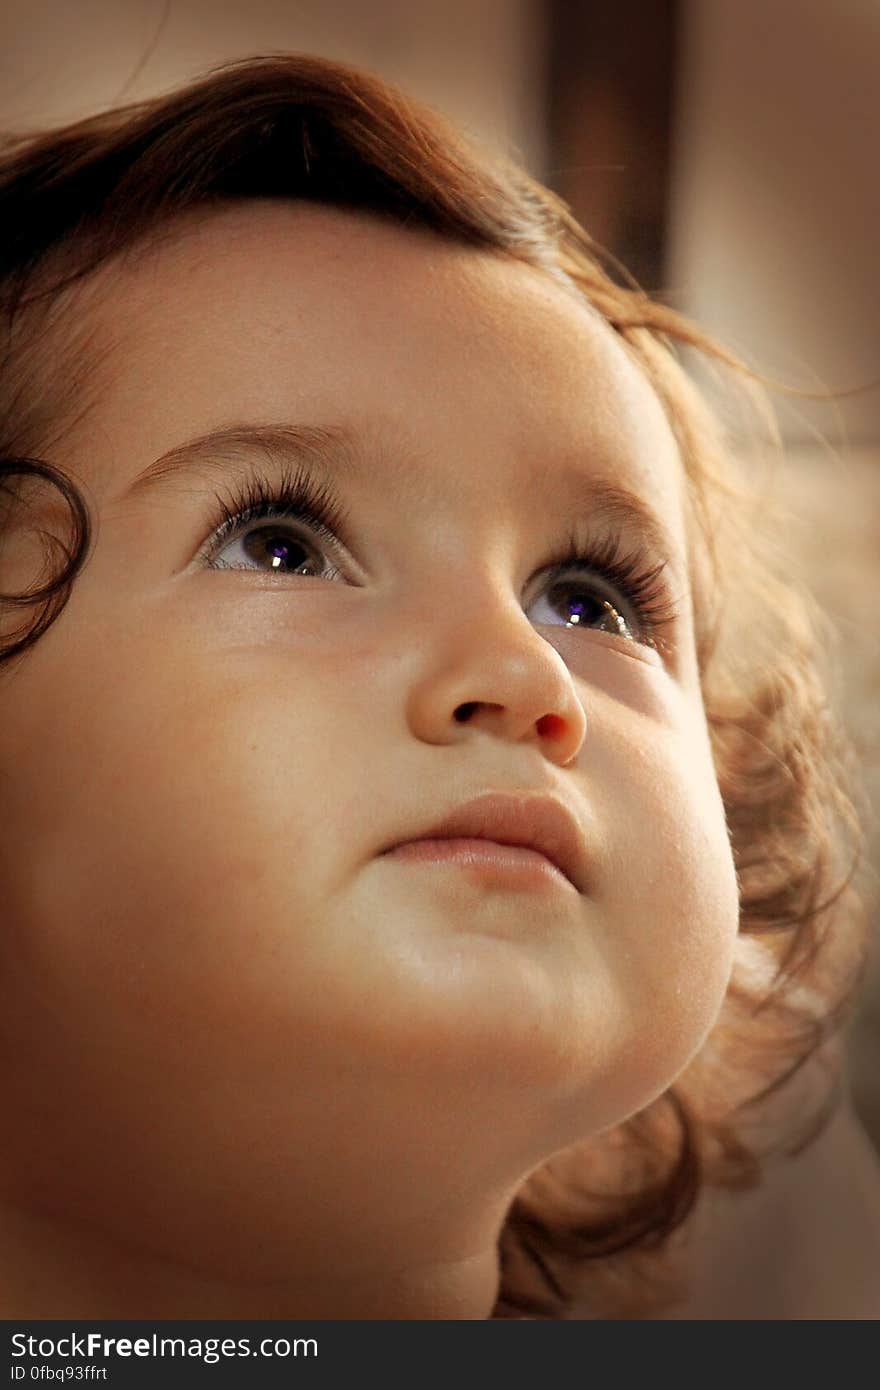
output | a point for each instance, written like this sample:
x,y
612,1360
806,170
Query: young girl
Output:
x,y
426,850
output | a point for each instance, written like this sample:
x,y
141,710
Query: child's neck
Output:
x,y
55,1269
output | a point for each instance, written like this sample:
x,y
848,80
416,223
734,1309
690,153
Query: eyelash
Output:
x,y
300,497
630,572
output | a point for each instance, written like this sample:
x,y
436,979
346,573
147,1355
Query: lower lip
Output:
x,y
485,859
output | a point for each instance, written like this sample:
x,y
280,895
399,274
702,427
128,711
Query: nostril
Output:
x,y
464,712
551,726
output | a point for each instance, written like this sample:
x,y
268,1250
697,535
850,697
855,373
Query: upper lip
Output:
x,y
536,822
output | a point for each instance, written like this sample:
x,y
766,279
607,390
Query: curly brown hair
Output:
x,y
598,1220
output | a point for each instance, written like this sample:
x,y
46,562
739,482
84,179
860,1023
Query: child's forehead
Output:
x,y
224,308
273,261
267,267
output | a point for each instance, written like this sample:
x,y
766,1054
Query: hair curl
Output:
x,y
598,1220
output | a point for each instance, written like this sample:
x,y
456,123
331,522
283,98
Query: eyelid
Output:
x,y
302,496
629,567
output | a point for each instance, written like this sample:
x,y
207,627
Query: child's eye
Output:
x,y
582,601
598,584
276,546
287,510
593,584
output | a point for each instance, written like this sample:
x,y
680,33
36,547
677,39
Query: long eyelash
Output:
x,y
295,496
630,572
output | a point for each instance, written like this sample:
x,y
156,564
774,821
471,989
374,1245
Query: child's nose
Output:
x,y
482,663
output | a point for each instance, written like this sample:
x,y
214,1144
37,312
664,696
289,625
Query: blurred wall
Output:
x,y
833,541
775,207
479,60
610,97
772,245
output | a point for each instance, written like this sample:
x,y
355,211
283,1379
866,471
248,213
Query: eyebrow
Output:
x,y
342,450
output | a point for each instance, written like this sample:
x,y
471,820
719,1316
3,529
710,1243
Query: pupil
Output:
x,y
278,549
581,610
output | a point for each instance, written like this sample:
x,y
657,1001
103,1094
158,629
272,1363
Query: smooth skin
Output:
x,y
249,1066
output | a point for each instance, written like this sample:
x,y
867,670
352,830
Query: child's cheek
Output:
x,y
666,875
627,672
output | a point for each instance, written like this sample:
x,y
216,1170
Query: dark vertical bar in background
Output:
x,y
611,78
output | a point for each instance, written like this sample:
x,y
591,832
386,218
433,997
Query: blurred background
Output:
x,y
725,153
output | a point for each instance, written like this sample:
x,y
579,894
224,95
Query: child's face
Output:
x,y
219,995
